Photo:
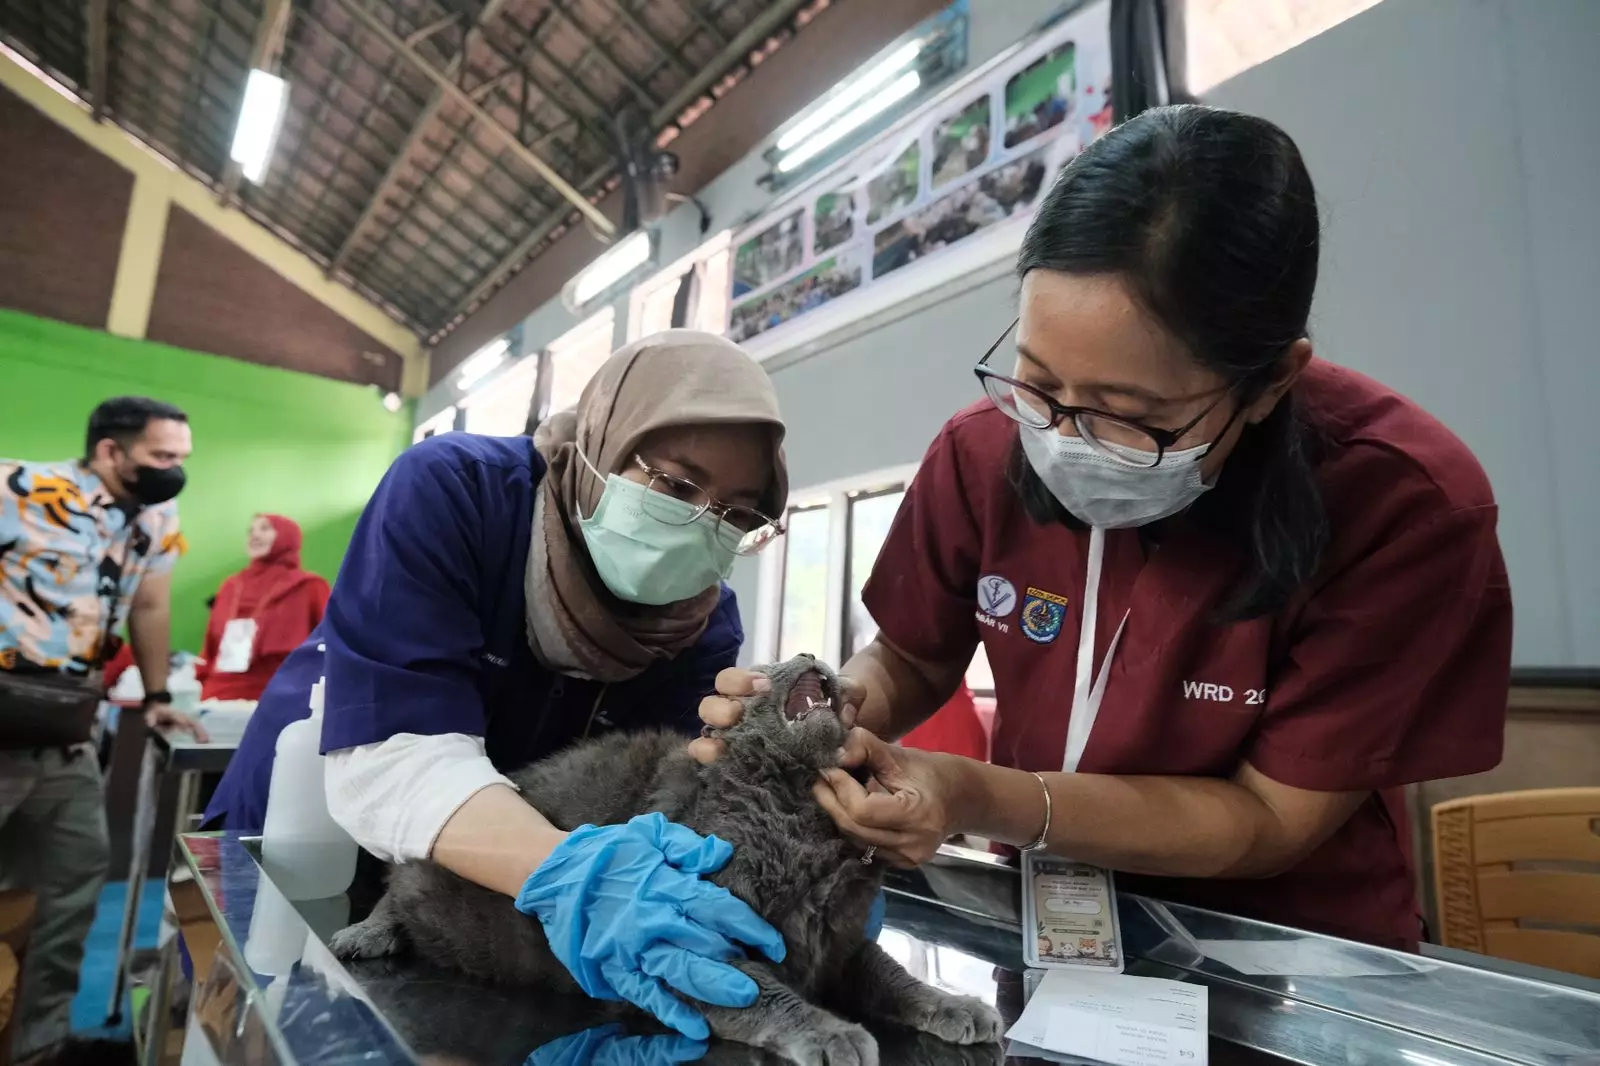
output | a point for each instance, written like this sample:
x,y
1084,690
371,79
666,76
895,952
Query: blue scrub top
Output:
x,y
426,632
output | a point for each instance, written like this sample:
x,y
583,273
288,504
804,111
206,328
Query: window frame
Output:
x,y
846,626
672,275
836,497
783,571
523,375
603,321
441,421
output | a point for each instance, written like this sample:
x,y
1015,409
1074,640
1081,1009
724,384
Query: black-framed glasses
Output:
x,y
744,530
1119,439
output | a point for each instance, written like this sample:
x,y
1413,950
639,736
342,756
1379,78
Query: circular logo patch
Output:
x,y
997,597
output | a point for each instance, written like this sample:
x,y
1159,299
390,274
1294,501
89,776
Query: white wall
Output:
x,y
1457,154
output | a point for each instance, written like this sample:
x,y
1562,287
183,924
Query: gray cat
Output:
x,y
790,864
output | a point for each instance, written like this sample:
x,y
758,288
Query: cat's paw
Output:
x,y
366,940
838,1044
960,1020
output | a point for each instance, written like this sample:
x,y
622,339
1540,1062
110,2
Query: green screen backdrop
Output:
x,y
265,440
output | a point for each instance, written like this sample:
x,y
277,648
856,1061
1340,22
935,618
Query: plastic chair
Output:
x,y
1518,876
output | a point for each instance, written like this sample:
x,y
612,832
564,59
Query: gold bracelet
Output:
x,y
1044,834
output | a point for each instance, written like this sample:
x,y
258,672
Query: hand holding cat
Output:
x,y
625,909
908,808
723,709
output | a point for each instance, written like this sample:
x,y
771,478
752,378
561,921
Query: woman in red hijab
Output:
x,y
262,613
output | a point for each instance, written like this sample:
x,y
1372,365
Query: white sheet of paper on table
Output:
x,y
1304,958
1117,1019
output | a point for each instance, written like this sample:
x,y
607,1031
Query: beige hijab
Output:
x,y
679,377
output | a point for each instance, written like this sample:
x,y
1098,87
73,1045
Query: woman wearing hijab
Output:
x,y
261,614
503,598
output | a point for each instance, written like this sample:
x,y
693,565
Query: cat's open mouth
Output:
x,y
809,696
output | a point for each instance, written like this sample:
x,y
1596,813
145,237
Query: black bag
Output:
x,y
47,710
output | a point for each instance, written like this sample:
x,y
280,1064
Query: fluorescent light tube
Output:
x,y
616,263
904,87
482,362
265,96
850,96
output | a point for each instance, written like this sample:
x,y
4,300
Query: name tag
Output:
x,y
238,641
1069,914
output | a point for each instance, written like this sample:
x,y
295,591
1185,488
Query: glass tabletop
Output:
x,y
277,995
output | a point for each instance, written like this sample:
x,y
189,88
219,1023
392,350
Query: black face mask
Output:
x,y
155,484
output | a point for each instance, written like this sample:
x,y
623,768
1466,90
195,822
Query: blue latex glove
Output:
x,y
610,1045
875,915
626,911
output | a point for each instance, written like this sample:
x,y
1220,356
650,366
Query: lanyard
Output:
x,y
1089,688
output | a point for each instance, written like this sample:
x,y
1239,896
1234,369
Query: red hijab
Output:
x,y
267,583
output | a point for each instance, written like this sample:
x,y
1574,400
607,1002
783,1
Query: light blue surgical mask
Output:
x,y
653,560
1102,492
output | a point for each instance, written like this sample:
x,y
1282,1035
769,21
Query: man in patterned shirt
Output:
x,y
84,546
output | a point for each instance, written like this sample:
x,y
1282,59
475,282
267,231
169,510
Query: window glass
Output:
x,y
803,612
870,517
1227,37
501,405
574,358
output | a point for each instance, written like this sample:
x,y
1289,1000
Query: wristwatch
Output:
x,y
158,697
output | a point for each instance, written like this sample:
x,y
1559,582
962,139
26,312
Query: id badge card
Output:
x,y
233,650
1069,914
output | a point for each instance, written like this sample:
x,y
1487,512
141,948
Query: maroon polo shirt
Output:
x,y
1390,667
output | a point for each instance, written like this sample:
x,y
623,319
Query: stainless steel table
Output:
x,y
274,993
178,759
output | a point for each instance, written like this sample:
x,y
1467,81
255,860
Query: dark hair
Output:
x,y
124,418
1211,218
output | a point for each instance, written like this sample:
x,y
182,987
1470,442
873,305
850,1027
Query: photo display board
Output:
x,y
983,153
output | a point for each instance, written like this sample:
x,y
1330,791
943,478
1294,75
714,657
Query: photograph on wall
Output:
x,y
961,142
1003,192
1039,97
944,43
895,188
829,279
769,255
834,219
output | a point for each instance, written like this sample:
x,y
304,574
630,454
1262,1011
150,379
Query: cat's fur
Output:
x,y
790,864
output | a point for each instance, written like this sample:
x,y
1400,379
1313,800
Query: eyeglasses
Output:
x,y
744,530
1119,439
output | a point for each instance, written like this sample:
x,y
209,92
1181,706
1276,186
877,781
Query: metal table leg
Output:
x,y
158,1014
143,828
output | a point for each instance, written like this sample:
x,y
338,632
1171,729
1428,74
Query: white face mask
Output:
x,y
1102,492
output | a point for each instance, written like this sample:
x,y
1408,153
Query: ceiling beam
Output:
x,y
763,26
99,55
638,26
417,36
771,19
424,119
264,50
604,53
703,19
447,91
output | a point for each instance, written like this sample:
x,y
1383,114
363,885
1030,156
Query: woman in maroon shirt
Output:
x,y
262,613
1234,597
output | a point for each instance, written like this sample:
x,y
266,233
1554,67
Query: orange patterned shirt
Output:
x,y
67,551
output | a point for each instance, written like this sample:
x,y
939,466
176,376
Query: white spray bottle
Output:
x,y
306,853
